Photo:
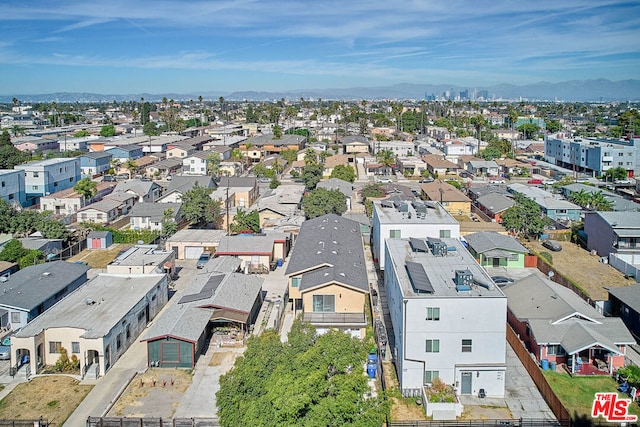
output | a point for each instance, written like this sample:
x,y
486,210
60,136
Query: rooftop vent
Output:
x,y
46,273
89,301
464,280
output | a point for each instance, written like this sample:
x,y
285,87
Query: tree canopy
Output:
x,y
86,187
107,130
312,174
343,172
199,209
322,201
310,380
14,252
524,218
246,221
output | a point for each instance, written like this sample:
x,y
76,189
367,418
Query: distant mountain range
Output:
x,y
573,90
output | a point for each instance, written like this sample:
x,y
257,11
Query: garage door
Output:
x,y
193,252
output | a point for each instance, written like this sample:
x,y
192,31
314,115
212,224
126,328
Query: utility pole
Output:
x,y
227,204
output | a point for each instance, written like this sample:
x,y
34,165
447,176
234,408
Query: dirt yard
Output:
x,y
99,258
584,269
155,393
52,397
484,412
223,358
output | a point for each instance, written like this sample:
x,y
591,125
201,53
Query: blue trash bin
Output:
x,y
545,364
552,365
372,365
279,262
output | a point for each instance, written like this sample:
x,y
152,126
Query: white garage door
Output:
x,y
193,252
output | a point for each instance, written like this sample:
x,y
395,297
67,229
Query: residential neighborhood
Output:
x,y
463,269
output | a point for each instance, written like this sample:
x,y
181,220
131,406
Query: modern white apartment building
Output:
x,y
406,218
449,318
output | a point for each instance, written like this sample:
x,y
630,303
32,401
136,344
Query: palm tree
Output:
x,y
580,198
386,158
478,122
598,202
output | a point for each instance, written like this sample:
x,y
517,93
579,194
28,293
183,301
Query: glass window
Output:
x,y
466,346
433,313
324,303
555,350
429,376
75,347
55,346
395,234
15,317
295,282
35,174
433,346
445,234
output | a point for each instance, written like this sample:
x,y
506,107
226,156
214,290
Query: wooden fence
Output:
x,y
531,365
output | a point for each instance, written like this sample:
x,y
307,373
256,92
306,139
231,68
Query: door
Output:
x,y
95,243
193,252
496,262
467,379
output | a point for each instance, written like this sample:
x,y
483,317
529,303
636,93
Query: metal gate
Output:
x,y
467,379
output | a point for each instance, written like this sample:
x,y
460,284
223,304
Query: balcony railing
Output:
x,y
334,318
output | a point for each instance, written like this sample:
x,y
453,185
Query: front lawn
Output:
x,y
577,393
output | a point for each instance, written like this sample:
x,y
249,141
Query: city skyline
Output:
x,y
163,46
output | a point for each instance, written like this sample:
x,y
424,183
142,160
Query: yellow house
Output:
x,y
452,200
327,275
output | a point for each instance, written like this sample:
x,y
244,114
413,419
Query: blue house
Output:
x,y
126,152
95,163
49,176
12,186
552,205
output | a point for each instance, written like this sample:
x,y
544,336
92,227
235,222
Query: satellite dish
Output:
x,y
141,242
551,274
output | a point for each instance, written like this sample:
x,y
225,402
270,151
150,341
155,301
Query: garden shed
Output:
x,y
99,239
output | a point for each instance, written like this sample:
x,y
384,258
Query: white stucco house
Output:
x,y
449,318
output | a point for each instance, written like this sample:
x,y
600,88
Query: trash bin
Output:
x,y
545,364
372,365
552,365
279,262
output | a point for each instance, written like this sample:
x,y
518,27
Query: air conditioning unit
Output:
x,y
464,280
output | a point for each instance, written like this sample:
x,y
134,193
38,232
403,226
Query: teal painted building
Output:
x,y
496,250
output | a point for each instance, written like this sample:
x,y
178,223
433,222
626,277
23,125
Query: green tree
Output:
x,y
524,218
169,226
274,183
310,157
14,252
18,130
277,132
213,161
322,201
81,133
553,126
289,155
491,152
86,187
629,121
246,221
343,172
199,209
107,130
310,380
312,174
529,130
5,138
387,159
615,174
151,129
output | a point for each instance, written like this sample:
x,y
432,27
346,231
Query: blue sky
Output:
x,y
160,46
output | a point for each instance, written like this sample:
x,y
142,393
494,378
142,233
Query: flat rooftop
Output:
x,y
96,306
440,270
142,255
412,212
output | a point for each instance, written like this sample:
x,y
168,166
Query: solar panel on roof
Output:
x,y
419,278
207,290
418,245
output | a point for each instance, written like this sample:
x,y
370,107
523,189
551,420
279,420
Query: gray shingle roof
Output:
x,y
246,244
137,186
187,320
329,248
267,139
155,211
485,241
184,183
621,219
237,182
496,202
629,295
556,315
342,186
31,286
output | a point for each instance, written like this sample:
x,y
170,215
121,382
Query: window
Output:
x,y
324,303
141,316
15,317
118,341
35,187
3,184
466,346
429,376
555,350
295,282
55,346
397,234
445,234
75,347
11,196
35,174
433,313
433,346
128,332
